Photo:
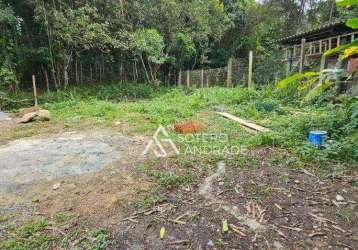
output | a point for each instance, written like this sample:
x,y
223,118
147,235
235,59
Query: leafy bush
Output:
x,y
268,106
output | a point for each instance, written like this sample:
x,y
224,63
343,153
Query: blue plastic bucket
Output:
x,y
318,138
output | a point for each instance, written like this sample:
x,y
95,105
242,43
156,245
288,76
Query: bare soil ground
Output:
x,y
95,176
269,207
87,173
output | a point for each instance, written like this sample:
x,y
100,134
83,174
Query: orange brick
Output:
x,y
189,127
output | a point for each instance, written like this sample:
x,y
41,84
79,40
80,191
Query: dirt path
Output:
x,y
206,190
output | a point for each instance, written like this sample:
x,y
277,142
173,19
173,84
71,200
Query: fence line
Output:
x,y
234,73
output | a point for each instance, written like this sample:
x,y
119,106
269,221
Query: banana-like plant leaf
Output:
x,y
340,48
308,84
289,81
346,3
350,52
318,90
353,23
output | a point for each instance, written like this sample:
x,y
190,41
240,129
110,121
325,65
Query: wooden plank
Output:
x,y
243,122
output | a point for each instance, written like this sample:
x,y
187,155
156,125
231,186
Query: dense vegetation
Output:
x,y
72,42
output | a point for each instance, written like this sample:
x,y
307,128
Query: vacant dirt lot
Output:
x,y
96,176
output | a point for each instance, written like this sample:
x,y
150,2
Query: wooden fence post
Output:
x,y
179,78
207,78
188,78
302,56
251,59
202,78
35,90
229,73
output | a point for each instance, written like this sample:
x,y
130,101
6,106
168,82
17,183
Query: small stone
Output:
x,y
339,198
297,182
221,183
27,117
210,243
187,189
44,115
219,109
278,245
56,186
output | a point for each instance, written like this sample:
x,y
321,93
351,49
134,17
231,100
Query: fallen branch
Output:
x,y
297,229
15,101
237,230
178,242
322,219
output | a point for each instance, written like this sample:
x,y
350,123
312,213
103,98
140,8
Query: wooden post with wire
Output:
x,y
34,88
251,60
179,78
229,73
188,78
202,78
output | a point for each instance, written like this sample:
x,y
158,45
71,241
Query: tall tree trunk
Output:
x,y
103,68
151,72
91,73
136,70
59,75
65,76
77,77
133,71
49,39
331,13
66,64
46,78
53,72
144,67
81,72
99,71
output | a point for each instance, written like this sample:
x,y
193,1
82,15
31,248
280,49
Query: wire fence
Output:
x,y
233,74
244,71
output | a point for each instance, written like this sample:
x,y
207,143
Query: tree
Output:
x,y
149,45
10,30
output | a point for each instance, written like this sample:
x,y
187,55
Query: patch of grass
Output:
x,y
147,200
349,214
63,217
98,240
168,179
30,236
3,218
266,193
46,234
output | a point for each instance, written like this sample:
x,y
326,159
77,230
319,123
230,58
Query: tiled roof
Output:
x,y
316,30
